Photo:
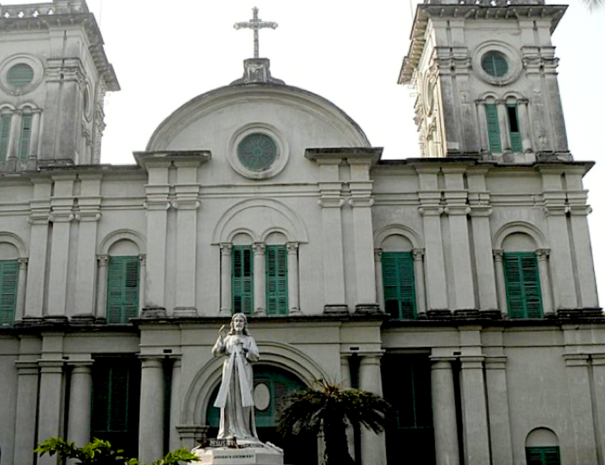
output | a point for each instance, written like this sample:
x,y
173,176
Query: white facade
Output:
x,y
486,382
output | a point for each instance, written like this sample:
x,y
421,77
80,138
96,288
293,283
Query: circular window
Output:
x,y
495,64
257,151
20,75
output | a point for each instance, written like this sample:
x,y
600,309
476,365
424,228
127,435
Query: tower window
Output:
x,y
277,280
513,125
495,64
257,151
20,75
25,137
242,276
5,130
493,128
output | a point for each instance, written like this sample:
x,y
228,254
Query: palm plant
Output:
x,y
330,408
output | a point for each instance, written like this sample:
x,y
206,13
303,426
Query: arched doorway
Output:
x,y
271,386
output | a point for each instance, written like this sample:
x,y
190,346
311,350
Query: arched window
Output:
x,y
20,123
542,447
398,278
9,274
123,281
504,123
522,277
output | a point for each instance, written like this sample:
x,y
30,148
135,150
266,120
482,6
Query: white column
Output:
x,y
499,417
20,306
86,265
103,261
379,278
51,403
598,370
333,255
259,279
151,427
373,446
363,246
345,381
545,288
80,393
59,259
226,257
503,124
435,265
186,245
500,281
444,411
35,139
482,127
27,406
418,255
175,404
584,260
143,280
474,411
293,301
524,125
582,421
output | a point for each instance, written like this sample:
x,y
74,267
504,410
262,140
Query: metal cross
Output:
x,y
255,24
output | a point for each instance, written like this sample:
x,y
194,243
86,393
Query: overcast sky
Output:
x,y
349,51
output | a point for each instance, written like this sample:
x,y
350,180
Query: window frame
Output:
x,y
403,278
240,282
277,296
8,291
553,457
520,292
118,287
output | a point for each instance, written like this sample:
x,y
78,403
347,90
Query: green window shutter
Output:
x,y
493,128
398,283
122,289
25,137
5,130
277,280
9,272
242,279
522,278
543,456
513,125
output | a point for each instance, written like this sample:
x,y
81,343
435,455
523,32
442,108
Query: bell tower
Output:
x,y
485,75
53,78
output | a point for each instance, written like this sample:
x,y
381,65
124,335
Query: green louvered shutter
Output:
x,y
277,280
398,283
25,137
242,280
514,131
5,130
9,270
543,456
493,128
122,289
523,295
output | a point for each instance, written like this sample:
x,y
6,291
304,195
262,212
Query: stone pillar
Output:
x,y
345,381
499,417
175,404
187,204
444,411
151,423
333,254
21,280
157,205
51,404
40,207
479,200
293,301
373,446
598,370
226,257
583,251
78,423
143,280
260,278
61,217
418,255
524,125
545,288
27,406
89,214
474,411
363,249
379,279
103,261
560,255
582,421
35,139
500,281
503,124
457,210
482,126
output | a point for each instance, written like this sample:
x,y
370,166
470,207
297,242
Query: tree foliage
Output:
x,y
330,408
99,452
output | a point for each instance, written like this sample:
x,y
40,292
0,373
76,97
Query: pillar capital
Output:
x,y
292,247
576,360
377,255
369,358
418,254
259,248
542,254
498,254
226,248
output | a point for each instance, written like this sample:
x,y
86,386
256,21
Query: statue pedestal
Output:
x,y
265,454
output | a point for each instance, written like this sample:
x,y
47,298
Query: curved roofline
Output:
x,y
210,96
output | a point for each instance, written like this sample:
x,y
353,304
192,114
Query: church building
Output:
x,y
459,285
